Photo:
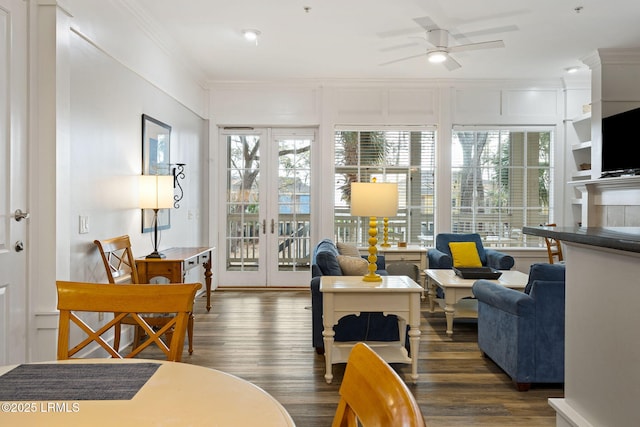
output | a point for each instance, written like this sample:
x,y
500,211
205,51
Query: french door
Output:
x,y
267,209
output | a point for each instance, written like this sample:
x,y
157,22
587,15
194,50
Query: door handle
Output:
x,y
264,226
19,215
273,225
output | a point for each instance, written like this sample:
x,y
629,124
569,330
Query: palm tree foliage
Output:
x,y
360,148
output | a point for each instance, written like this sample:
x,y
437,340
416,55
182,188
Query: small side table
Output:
x,y
175,264
344,295
174,267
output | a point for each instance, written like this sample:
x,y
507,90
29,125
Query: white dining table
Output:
x,y
176,394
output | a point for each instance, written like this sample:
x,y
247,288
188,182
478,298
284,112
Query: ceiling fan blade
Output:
x,y
485,32
397,33
451,63
426,23
399,46
402,59
476,46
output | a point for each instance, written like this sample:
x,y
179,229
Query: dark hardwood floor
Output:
x,y
265,337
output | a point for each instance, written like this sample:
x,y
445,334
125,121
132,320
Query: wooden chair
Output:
x,y
118,260
554,248
125,301
374,394
120,266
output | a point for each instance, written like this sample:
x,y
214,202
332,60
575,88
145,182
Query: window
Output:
x,y
403,156
501,182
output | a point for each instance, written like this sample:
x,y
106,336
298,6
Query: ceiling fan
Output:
x,y
439,40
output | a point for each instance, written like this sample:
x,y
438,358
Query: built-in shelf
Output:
x,y
579,138
582,174
581,118
581,145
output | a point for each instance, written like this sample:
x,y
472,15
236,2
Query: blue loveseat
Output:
x,y
523,332
366,327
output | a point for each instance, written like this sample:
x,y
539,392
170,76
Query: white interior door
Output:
x,y
267,213
13,179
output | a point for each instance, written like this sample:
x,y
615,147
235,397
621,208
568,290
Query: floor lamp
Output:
x,y
156,192
373,199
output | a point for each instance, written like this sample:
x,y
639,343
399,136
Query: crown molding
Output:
x,y
154,32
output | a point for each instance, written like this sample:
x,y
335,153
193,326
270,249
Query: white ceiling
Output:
x,y
349,39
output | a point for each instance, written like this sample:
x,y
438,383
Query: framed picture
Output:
x,y
156,144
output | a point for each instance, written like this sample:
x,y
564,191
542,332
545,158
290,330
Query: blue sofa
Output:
x,y
523,332
366,327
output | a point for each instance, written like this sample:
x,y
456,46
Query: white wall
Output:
x,y
122,31
107,101
93,73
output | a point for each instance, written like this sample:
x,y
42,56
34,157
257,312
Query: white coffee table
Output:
x,y
456,288
344,295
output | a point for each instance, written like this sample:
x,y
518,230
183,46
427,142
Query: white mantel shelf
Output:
x,y
614,182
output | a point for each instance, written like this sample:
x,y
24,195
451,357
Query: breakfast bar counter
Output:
x,y
602,351
619,238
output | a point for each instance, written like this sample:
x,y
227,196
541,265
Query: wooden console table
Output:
x,y
175,265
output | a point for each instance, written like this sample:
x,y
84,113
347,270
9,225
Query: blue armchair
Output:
x,y
523,332
440,256
366,327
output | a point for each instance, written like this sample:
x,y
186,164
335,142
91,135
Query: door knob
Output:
x,y
19,215
19,246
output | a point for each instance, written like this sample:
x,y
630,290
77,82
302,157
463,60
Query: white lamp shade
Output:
x,y
374,199
156,191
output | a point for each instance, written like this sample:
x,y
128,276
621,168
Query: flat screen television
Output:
x,y
620,144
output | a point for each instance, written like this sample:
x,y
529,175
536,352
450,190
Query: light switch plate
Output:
x,y
84,224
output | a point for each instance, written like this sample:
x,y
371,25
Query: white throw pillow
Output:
x,y
347,249
353,266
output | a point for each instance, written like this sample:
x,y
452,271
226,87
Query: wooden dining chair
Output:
x,y
120,267
117,257
554,248
374,394
125,300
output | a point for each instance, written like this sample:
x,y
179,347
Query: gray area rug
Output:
x,y
93,381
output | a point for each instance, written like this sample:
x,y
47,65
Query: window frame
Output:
x,y
510,235
402,226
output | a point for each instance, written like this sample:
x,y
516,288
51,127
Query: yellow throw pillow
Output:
x,y
465,254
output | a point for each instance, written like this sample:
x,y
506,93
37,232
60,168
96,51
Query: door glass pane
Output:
x,y
294,206
243,209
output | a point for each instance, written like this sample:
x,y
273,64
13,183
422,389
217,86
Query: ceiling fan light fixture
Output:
x,y
437,56
251,35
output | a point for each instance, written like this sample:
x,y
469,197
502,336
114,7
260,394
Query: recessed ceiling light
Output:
x,y
437,56
251,35
571,70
